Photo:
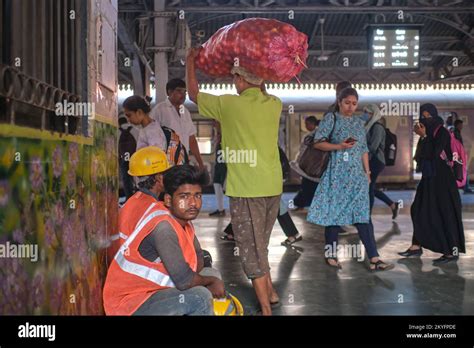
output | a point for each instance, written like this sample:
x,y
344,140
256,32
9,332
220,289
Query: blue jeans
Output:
x,y
193,301
366,235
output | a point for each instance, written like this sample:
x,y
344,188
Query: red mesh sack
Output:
x,y
270,49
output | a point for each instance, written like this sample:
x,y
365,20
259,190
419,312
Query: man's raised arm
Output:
x,y
191,80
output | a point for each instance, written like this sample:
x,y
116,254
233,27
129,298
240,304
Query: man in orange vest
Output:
x,y
146,166
159,268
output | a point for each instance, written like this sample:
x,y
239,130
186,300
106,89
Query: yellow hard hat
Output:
x,y
228,305
147,161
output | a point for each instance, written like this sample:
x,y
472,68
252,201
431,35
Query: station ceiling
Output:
x,y
447,33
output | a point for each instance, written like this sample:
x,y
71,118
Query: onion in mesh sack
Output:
x,y
270,49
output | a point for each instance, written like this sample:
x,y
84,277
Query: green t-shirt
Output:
x,y
249,126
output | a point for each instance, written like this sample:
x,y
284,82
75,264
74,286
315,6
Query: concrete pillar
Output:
x,y
161,62
146,86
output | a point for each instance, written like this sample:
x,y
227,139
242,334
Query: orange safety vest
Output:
x,y
131,279
140,205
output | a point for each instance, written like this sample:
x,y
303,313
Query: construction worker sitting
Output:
x,y
159,268
146,166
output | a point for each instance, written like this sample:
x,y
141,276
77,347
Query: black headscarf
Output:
x,y
430,123
426,166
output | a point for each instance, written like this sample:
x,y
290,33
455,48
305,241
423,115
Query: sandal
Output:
x,y
381,266
337,265
288,241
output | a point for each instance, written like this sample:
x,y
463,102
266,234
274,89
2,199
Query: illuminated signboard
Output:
x,y
394,48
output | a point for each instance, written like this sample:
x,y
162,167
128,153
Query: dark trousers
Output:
x,y
366,235
415,241
383,197
305,195
376,167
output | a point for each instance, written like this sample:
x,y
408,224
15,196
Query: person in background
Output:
x,y
127,147
379,194
458,124
376,143
342,196
450,121
137,111
436,210
305,194
457,130
173,114
161,262
220,172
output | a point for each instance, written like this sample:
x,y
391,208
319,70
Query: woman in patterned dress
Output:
x,y
342,197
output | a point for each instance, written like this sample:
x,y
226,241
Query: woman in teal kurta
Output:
x,y
342,196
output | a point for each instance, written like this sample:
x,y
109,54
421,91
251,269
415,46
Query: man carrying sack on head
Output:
x,y
249,124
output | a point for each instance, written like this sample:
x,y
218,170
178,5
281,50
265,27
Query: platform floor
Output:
x,y
307,286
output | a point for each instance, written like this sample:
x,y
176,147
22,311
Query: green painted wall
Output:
x,y
61,196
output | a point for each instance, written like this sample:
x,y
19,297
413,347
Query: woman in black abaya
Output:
x,y
436,210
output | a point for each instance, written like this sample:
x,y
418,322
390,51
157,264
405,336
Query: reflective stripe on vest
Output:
x,y
144,214
142,271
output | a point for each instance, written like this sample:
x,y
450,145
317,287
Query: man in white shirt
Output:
x,y
173,114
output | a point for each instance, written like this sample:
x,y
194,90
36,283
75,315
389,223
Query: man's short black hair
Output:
x,y
175,83
182,175
312,119
457,122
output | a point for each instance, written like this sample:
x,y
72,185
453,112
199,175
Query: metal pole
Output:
x,y
161,61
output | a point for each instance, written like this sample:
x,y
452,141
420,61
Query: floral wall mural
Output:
x,y
60,197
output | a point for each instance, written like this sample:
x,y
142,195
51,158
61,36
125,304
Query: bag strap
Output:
x,y
333,126
436,130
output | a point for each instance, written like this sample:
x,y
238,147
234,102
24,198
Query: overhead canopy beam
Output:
x,y
451,53
450,23
326,9
340,69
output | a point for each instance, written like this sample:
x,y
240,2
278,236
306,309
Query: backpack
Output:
x,y
390,147
175,150
459,162
127,143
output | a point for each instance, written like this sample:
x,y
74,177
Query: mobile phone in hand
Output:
x,y
351,140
